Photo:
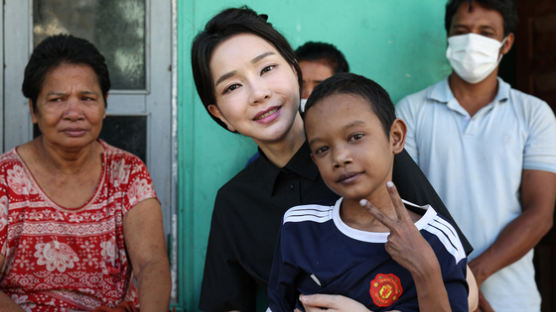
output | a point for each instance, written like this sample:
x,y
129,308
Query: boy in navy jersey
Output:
x,y
367,246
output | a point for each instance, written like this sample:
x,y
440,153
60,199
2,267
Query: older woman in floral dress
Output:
x,y
79,219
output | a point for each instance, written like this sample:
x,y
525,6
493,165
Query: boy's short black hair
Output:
x,y
505,7
348,83
316,51
230,22
58,49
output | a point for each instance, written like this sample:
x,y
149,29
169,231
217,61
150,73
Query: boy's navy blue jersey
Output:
x,y
318,253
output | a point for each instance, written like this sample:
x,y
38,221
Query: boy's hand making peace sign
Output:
x,y
405,244
407,247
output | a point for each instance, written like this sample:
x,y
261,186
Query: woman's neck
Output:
x,y
65,160
281,151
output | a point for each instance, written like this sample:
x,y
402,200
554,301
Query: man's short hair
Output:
x,y
56,50
505,7
348,83
317,51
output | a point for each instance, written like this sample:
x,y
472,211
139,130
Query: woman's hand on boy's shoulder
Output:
x,y
405,244
332,303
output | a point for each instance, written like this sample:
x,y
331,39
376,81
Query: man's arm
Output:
x,y
538,196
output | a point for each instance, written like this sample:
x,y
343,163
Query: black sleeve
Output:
x,y
414,186
226,286
282,293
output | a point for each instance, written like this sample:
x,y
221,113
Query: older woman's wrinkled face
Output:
x,y
70,107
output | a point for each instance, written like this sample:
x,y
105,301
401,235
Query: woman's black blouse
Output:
x,y
248,212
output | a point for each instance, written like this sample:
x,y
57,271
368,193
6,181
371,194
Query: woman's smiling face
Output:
x,y
256,89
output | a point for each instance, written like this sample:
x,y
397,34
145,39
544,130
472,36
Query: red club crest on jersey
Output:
x,y
385,289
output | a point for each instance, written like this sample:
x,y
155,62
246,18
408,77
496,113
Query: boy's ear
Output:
x,y
215,111
398,130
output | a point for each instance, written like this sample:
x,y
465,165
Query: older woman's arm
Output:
x,y
6,303
144,239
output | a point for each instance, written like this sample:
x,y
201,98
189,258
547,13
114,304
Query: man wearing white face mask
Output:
x,y
489,151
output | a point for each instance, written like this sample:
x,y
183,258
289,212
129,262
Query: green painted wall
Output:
x,y
398,43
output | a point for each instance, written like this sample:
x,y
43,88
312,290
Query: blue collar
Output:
x,y
442,93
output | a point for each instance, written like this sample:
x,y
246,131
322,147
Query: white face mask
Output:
x,y
473,57
302,104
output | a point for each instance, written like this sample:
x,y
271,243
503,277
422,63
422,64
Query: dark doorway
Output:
x,y
531,68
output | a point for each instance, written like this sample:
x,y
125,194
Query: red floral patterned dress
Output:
x,y
59,259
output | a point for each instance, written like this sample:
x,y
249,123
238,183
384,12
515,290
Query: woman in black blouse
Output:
x,y
249,81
